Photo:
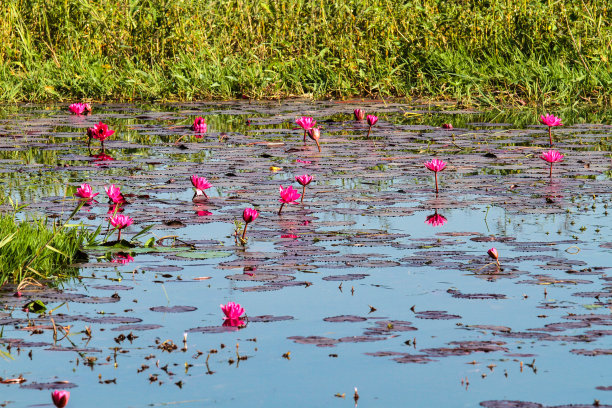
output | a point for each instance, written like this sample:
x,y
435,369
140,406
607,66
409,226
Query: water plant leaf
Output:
x,y
8,239
173,309
203,254
56,250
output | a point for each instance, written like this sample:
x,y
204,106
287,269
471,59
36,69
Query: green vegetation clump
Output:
x,y
483,51
39,250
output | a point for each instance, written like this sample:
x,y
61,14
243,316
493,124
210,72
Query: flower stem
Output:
x,y
550,173
281,208
318,145
303,191
436,173
305,135
550,135
244,232
119,236
369,129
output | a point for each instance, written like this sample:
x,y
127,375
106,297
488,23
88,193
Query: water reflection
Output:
x,y
122,258
435,219
234,323
100,158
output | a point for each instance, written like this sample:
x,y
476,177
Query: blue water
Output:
x,y
344,203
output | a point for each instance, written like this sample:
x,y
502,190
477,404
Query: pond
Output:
x,y
375,282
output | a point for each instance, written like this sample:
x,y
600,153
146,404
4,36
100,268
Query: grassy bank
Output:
x,y
39,249
481,51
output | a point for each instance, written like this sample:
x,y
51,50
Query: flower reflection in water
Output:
x,y
435,219
122,258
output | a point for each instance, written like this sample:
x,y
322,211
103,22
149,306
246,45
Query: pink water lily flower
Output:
x,y
200,184
551,156
447,126
114,194
435,220
304,180
120,222
232,311
288,196
77,108
60,398
85,191
550,121
199,125
372,119
359,114
494,254
436,165
315,134
306,123
101,132
248,215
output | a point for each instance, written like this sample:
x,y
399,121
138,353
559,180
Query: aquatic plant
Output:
x,y
315,134
60,398
200,184
306,123
372,119
85,192
495,255
248,215
550,121
288,196
552,156
359,114
38,249
436,165
304,180
447,126
114,194
199,125
101,132
233,312
120,221
79,108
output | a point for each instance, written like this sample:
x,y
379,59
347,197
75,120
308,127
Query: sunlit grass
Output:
x,y
484,52
40,249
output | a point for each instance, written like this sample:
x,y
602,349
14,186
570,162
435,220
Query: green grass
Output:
x,y
39,249
485,52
